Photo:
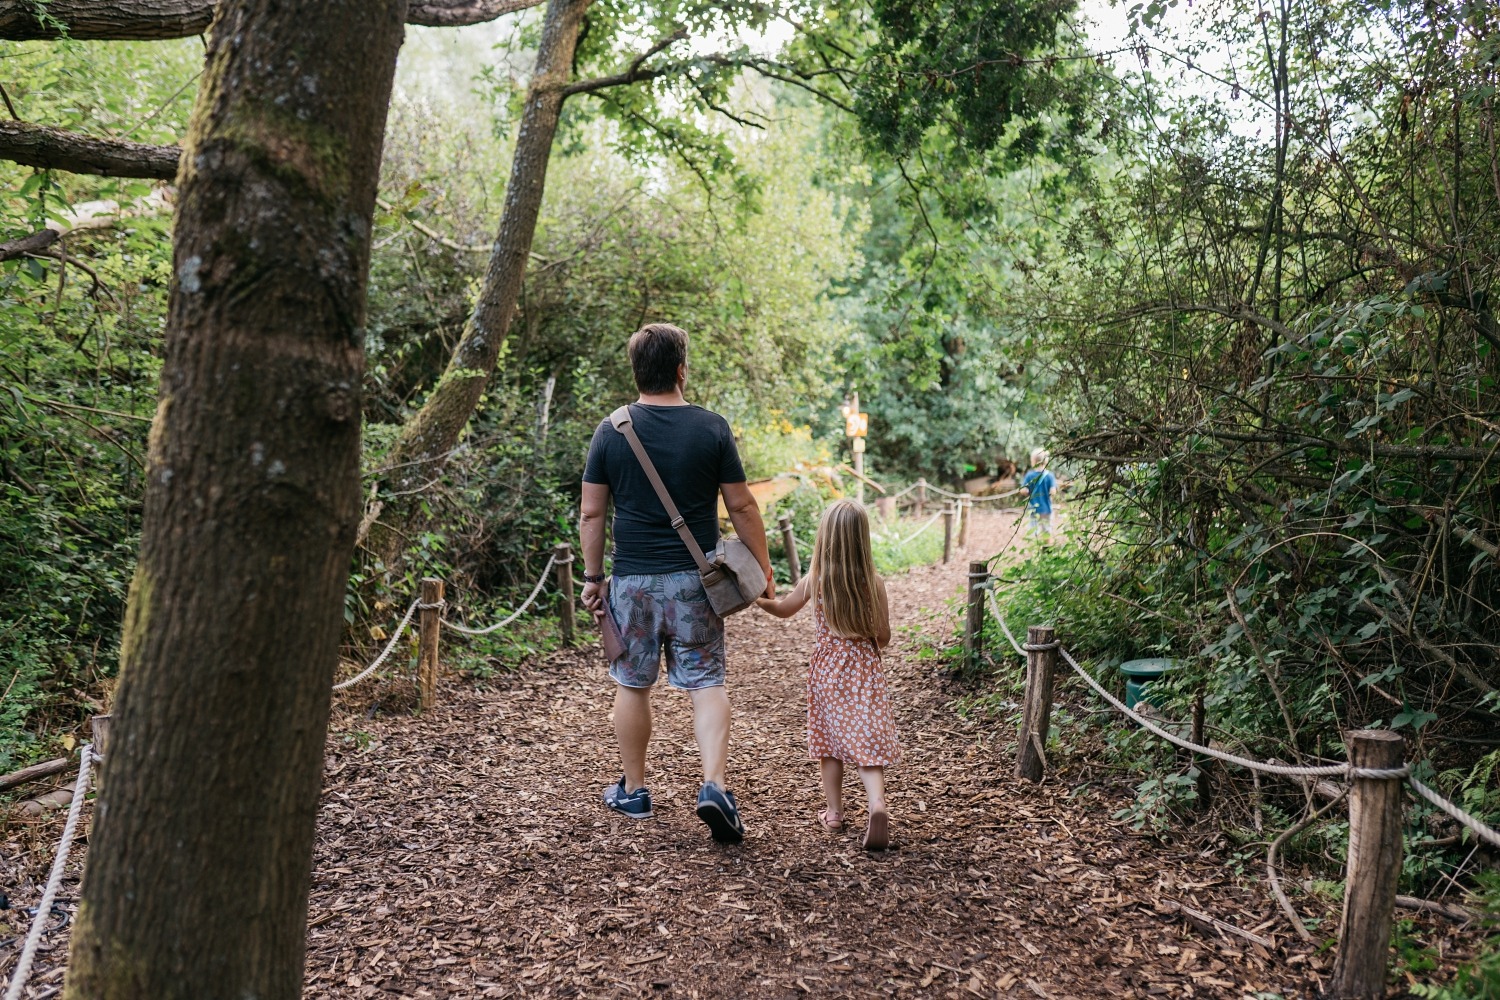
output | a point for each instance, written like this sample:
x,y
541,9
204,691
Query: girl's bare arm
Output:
x,y
882,615
789,605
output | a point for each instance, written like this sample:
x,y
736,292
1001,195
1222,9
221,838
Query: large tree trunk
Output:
x,y
148,20
428,437
199,868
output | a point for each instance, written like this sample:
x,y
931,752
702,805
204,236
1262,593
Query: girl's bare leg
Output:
x,y
833,790
878,833
874,782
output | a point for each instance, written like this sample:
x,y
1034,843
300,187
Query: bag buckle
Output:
x,y
678,522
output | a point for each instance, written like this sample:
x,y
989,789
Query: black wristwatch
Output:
x,y
595,578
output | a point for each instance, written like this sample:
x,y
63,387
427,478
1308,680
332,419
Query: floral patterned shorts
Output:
x,y
666,611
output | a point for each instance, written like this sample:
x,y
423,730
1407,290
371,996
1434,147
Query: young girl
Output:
x,y
848,713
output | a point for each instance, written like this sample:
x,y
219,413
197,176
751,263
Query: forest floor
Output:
x,y
466,853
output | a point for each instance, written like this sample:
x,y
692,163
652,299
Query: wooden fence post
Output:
x,y
885,507
562,564
429,624
966,512
1202,762
948,532
789,542
99,728
1375,808
979,578
1036,717
921,493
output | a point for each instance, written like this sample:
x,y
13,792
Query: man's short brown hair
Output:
x,y
656,350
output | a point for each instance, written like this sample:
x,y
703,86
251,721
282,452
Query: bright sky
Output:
x,y
440,63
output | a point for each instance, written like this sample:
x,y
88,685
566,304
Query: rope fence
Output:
x,y
54,879
411,609
541,583
1377,769
1475,825
913,536
417,604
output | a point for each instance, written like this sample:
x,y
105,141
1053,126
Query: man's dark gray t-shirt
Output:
x,y
693,451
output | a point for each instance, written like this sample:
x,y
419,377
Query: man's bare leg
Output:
x,y
711,727
633,732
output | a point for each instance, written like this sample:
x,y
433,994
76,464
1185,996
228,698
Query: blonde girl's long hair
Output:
x,y
843,571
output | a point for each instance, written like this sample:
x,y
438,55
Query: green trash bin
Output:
x,y
1140,673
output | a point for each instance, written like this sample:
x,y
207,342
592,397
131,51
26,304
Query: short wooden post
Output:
x,y
1200,761
789,542
921,493
966,513
562,567
1375,808
1036,716
948,532
885,507
99,728
979,578
429,623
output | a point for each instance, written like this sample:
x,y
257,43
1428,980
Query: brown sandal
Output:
x,y
831,825
878,832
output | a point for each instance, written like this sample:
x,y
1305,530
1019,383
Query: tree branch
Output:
x,y
58,149
457,13
139,20
154,20
633,73
35,243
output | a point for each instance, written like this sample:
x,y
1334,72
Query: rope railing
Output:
x,y
901,493
1000,496
54,879
913,536
945,493
1472,823
411,609
417,605
525,606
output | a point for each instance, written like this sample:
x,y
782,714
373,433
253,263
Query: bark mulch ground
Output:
x,y
465,853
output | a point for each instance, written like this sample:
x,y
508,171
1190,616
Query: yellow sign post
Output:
x,y
856,428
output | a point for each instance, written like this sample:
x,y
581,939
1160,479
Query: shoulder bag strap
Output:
x,y
621,421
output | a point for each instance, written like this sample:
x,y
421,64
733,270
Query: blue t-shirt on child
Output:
x,y
1039,483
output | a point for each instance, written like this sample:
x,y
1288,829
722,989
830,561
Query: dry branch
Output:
x,y
20,247
35,772
1204,922
58,149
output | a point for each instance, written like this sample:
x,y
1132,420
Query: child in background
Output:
x,y
1039,484
849,717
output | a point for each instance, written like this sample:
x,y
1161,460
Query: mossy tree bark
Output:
x,y
198,873
428,437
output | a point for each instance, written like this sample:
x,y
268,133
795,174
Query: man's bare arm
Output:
x,y
744,514
592,511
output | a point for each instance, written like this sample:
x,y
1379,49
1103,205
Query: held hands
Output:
x,y
770,590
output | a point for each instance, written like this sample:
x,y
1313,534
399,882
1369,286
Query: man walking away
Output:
x,y
654,593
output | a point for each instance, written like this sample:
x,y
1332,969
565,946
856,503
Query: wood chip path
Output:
x,y
465,853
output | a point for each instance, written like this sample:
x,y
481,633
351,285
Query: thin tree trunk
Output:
x,y
199,869
431,434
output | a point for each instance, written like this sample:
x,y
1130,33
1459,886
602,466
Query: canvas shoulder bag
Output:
x,y
731,574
